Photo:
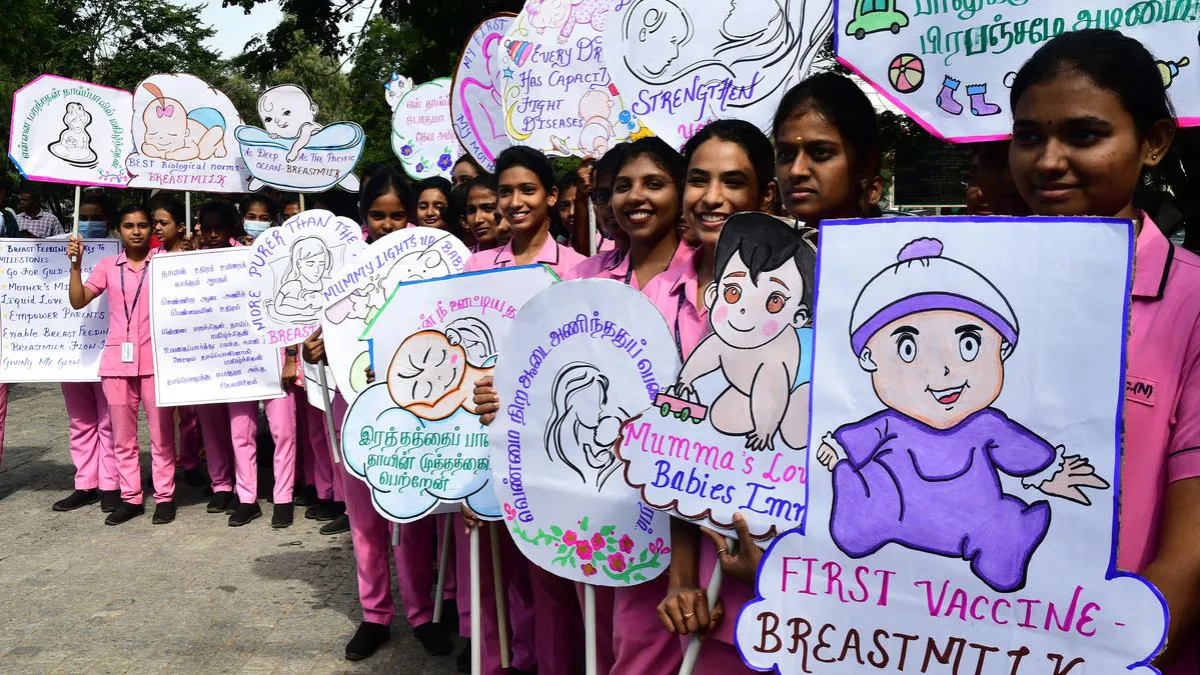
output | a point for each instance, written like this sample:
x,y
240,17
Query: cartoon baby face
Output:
x,y
166,124
938,366
284,109
425,369
747,313
659,27
548,13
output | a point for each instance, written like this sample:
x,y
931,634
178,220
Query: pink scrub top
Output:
x,y
128,314
553,255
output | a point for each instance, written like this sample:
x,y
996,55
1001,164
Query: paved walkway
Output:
x,y
194,596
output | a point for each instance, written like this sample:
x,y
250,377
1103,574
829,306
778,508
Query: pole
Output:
x,y
334,445
714,591
302,202
187,214
589,628
476,607
498,586
447,532
593,247
75,227
395,534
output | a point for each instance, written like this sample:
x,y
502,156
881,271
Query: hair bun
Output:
x,y
924,247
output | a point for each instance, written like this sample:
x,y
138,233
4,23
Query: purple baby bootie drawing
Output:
x,y
980,106
945,97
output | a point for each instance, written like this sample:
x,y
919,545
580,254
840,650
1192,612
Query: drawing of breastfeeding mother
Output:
x,y
765,42
433,373
300,294
583,428
935,336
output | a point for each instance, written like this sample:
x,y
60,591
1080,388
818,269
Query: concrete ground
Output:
x,y
194,596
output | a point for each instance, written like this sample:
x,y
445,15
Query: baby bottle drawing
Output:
x,y
934,335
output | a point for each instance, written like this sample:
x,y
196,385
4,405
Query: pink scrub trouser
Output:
x,y
189,438
518,597
318,458
243,426
124,394
213,419
91,436
640,642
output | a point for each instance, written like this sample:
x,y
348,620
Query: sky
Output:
x,y
234,28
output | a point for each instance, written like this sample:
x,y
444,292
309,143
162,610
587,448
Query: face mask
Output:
x,y
93,229
255,227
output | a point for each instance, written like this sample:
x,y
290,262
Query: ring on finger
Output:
x,y
689,615
722,551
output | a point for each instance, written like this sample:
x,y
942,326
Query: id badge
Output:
x,y
126,352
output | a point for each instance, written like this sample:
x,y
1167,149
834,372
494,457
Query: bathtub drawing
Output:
x,y
327,159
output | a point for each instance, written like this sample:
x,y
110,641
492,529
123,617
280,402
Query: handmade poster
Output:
x,y
422,129
966,427
205,350
183,137
312,384
414,436
731,433
476,100
684,63
557,90
294,152
950,66
360,288
41,338
290,267
583,357
67,131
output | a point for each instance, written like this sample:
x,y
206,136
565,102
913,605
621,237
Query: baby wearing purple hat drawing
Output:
x,y
924,472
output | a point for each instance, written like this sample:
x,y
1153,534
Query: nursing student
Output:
x,y
827,166
481,214
1092,136
221,226
168,218
547,627
89,425
386,203
258,214
127,365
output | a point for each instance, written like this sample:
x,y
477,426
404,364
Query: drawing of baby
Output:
x,y
432,373
924,473
582,429
658,29
566,14
286,111
597,132
759,300
300,294
172,132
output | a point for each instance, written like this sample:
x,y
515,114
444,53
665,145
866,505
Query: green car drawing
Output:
x,y
873,16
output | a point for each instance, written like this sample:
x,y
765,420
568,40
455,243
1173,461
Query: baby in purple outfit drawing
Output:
x,y
924,472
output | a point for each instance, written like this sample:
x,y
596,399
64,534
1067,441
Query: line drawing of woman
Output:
x,y
300,295
74,144
481,100
581,432
745,48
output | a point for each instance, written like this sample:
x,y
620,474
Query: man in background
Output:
x,y
32,221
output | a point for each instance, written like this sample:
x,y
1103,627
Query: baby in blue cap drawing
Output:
x,y
924,472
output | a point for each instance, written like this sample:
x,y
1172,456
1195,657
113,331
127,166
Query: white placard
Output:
x,y
950,65
965,445
312,383
183,137
681,64
292,151
359,289
205,351
731,434
422,130
582,357
558,94
44,340
414,436
290,267
67,131
476,100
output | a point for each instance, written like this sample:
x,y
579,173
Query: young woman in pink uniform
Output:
x,y
168,219
548,631
220,225
127,365
90,428
1092,136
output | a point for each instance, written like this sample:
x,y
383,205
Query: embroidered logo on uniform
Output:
x,y
1140,389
